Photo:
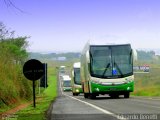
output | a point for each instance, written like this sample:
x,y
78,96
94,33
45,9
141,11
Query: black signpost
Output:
x,y
43,80
33,70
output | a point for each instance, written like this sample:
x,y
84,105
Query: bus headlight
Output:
x,y
128,88
97,89
77,90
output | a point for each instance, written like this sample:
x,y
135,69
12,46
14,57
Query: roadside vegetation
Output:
x,y
46,97
148,84
14,88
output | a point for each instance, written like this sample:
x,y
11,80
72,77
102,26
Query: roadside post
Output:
x,y
33,70
43,80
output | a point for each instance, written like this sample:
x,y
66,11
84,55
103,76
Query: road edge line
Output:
x,y
94,106
98,108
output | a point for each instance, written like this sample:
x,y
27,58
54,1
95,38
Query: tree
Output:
x,y
144,55
4,32
13,48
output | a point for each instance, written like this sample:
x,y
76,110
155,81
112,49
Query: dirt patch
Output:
x,y
16,109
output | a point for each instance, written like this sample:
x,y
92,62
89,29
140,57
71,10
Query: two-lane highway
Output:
x,y
68,107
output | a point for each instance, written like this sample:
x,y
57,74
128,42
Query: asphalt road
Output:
x,y
67,107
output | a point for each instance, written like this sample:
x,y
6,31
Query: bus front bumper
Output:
x,y
99,88
67,89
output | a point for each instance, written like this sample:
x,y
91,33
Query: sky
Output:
x,y
67,25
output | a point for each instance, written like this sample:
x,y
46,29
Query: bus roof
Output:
x,y
105,42
62,66
77,65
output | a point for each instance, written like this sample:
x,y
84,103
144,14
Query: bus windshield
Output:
x,y
77,76
67,83
111,61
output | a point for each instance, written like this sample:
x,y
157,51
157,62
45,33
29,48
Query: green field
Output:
x,y
148,84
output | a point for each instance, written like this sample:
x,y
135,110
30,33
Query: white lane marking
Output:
x,y
98,108
94,106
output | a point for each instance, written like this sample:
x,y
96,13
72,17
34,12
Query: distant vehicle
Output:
x,y
66,83
107,69
76,81
141,69
62,71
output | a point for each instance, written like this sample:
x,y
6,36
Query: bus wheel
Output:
x,y
92,96
85,95
74,94
126,95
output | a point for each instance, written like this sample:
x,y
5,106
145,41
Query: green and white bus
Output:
x,y
107,69
66,83
76,81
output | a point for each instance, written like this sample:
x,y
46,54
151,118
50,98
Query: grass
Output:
x,y
48,95
148,84
14,88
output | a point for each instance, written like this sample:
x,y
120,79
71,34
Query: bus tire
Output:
x,y
126,95
76,94
92,96
86,95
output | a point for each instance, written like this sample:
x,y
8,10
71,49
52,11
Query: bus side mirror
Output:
x,y
72,73
87,57
135,57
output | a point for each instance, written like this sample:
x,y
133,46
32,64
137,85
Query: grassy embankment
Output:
x,y
43,104
14,88
148,84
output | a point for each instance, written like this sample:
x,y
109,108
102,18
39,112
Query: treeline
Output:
x,y
54,56
141,54
13,85
147,55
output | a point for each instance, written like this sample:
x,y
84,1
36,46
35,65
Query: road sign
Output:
x,y
43,80
141,69
33,70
